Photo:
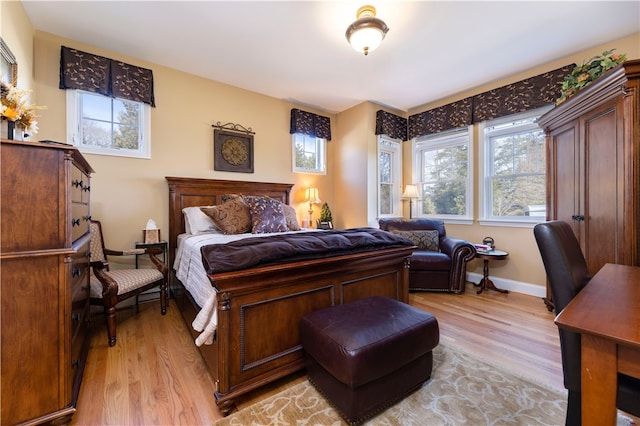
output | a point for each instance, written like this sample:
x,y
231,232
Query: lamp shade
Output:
x,y
410,191
366,33
312,196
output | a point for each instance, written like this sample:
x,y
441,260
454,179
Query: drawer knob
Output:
x,y
75,222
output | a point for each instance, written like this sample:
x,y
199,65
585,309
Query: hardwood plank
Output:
x,y
155,375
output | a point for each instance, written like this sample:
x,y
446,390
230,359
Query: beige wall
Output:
x,y
126,192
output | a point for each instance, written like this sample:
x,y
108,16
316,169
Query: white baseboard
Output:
x,y
511,285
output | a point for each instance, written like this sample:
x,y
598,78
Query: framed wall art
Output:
x,y
233,148
8,65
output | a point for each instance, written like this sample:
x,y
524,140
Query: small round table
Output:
x,y
486,256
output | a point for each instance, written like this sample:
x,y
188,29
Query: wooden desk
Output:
x,y
607,314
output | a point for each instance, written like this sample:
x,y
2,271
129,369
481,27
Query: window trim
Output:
x,y
73,123
440,140
484,200
315,171
397,175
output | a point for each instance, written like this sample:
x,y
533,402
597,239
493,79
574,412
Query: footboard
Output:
x,y
259,312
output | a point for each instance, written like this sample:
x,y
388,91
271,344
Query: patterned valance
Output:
x,y
513,98
392,125
524,95
450,116
310,124
97,74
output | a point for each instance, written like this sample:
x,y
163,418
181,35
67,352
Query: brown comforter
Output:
x,y
280,248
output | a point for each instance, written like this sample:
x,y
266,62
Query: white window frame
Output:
x,y
439,141
74,119
394,148
321,155
485,189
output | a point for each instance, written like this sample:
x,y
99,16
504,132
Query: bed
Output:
x,y
259,308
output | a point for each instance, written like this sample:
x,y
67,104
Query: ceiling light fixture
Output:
x,y
366,33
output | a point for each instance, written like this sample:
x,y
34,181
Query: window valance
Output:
x,y
310,124
450,116
392,125
513,98
97,74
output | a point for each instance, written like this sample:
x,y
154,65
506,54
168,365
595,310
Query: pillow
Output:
x,y
291,217
266,215
196,222
425,240
231,217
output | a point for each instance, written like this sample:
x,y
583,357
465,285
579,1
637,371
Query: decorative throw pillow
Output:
x,y
423,239
231,217
266,215
291,217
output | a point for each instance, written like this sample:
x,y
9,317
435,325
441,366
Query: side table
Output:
x,y
486,256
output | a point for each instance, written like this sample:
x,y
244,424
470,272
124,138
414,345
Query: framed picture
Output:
x,y
8,65
232,151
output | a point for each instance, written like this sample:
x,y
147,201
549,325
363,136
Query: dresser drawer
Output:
x,y
80,185
80,219
80,270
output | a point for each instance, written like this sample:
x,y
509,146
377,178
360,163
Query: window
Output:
x,y
389,177
443,168
99,124
514,184
309,154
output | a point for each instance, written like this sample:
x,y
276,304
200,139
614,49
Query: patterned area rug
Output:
x,y
462,390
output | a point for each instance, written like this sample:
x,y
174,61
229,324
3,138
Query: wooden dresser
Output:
x,y
593,173
44,293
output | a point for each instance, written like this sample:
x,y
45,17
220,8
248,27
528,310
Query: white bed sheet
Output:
x,y
191,273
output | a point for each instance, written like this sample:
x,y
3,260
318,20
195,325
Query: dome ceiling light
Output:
x,y
366,33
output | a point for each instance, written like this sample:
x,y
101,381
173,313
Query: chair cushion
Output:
x,y
430,261
127,279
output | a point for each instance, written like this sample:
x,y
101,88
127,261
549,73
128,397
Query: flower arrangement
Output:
x,y
588,72
15,108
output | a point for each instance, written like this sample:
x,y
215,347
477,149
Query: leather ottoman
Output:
x,y
368,354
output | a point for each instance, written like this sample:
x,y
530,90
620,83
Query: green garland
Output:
x,y
588,72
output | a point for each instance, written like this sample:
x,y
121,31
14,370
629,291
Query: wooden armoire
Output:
x,y
593,167
44,283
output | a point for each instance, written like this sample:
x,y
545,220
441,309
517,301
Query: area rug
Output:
x,y
462,390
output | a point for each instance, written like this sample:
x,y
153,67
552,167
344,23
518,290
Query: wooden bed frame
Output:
x,y
259,309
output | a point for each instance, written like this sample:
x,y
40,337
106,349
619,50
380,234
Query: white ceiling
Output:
x,y
297,51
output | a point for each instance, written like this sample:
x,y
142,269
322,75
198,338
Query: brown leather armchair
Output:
x,y
439,264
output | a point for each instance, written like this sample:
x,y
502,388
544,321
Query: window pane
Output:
x,y
515,195
444,180
309,153
96,133
385,167
515,168
444,198
96,107
386,199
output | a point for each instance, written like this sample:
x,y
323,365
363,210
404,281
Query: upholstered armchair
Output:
x,y
110,287
440,262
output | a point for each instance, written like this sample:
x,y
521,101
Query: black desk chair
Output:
x,y
567,273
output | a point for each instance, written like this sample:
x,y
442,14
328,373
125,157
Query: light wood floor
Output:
x,y
154,375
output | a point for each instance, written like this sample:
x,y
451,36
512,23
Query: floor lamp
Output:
x,y
410,192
